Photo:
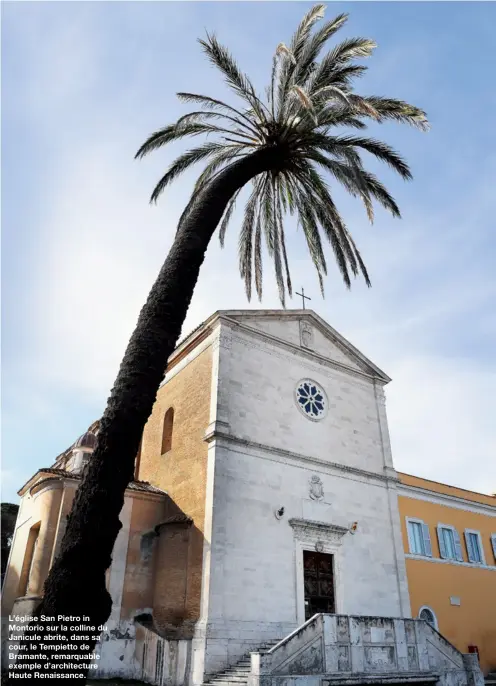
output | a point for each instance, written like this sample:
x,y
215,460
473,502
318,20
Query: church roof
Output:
x,y
143,486
244,318
249,317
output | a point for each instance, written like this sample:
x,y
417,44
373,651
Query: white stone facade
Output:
x,y
278,483
263,454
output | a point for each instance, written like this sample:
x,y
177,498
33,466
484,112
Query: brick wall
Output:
x,y
182,473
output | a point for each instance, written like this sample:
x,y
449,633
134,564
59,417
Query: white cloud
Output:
x,y
102,246
441,417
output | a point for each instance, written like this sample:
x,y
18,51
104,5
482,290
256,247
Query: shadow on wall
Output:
x,y
177,546
163,643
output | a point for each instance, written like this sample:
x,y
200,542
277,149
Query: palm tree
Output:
x,y
286,145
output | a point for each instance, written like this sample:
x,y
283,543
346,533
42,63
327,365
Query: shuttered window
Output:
x,y
450,547
419,538
493,544
475,550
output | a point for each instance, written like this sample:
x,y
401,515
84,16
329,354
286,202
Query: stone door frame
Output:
x,y
324,538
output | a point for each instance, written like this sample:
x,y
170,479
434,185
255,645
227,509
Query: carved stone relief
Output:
x,y
316,488
307,531
306,335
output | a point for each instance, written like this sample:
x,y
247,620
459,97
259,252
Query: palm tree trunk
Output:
x,y
76,583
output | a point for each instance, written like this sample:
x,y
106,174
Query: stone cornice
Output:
x,y
320,324
445,500
216,434
457,563
318,527
305,353
49,482
61,478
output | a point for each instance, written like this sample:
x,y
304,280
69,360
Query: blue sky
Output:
x,y
84,83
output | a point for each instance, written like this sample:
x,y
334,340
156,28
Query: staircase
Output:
x,y
238,674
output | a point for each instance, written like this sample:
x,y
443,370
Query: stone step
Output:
x,y
238,674
230,676
223,677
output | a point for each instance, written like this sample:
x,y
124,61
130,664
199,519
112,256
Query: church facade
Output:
x,y
264,494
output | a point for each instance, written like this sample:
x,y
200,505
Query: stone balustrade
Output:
x,y
340,649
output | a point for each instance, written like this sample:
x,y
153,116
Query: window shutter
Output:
x,y
493,543
427,540
410,536
458,546
442,547
470,550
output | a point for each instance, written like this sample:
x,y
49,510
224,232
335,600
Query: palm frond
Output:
x,y
257,262
311,95
200,115
331,223
307,62
245,242
284,50
236,79
216,165
337,59
184,162
280,214
296,48
213,103
267,215
160,138
380,150
173,133
398,110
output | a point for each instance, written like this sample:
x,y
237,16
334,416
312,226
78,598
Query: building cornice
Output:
x,y
375,374
457,563
215,433
320,324
52,476
445,500
318,527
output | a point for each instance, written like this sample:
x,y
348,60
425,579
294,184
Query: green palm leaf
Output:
x,y
310,97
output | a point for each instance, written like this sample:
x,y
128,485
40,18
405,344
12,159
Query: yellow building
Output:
x,y
449,536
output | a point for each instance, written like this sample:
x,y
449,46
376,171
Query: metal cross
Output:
x,y
303,297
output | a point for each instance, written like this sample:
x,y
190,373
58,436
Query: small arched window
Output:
x,y
428,616
167,430
137,461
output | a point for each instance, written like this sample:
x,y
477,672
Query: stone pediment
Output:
x,y
307,331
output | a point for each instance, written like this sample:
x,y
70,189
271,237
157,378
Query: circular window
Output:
x,y
428,616
311,399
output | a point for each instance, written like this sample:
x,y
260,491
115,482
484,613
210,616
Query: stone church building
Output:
x,y
264,494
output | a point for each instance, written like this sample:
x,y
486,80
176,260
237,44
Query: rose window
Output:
x,y
311,399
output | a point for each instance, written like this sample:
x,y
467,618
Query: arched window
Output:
x,y
167,430
427,614
137,461
27,565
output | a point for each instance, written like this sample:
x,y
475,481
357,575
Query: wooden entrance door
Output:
x,y
318,576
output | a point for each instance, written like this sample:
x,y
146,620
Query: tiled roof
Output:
x,y
175,519
143,486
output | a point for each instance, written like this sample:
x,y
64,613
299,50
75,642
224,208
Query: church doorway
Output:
x,y
318,577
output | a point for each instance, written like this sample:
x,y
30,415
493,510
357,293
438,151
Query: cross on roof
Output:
x,y
303,297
